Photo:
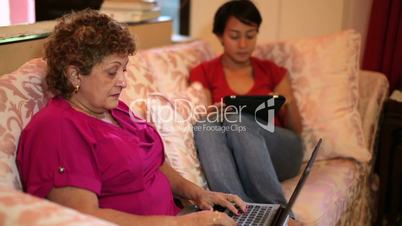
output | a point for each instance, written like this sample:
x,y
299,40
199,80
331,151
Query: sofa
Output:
x,y
337,101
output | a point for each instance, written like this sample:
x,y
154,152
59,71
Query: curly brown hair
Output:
x,y
82,39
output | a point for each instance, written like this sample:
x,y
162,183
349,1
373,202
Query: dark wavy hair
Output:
x,y
82,39
243,10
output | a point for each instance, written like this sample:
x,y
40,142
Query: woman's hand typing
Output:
x,y
207,199
206,218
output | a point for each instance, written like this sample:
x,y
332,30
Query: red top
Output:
x,y
210,74
63,147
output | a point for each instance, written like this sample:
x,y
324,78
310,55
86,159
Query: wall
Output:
x,y
357,16
289,19
4,13
17,12
202,13
309,18
201,16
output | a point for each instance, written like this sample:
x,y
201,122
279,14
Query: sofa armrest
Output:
x,y
373,90
18,208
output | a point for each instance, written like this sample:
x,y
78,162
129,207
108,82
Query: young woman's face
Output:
x,y
238,40
100,90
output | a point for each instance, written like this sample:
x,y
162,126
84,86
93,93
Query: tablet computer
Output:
x,y
264,107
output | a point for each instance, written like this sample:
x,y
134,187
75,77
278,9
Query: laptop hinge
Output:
x,y
278,216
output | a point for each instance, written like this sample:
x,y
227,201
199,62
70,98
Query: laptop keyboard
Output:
x,y
256,215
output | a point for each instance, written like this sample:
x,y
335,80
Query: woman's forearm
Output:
x,y
205,200
86,201
293,118
181,187
124,219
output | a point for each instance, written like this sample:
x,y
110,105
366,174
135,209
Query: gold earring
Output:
x,y
77,87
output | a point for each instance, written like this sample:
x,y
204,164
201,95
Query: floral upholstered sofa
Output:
x,y
337,101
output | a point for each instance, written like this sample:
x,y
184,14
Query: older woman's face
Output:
x,y
100,90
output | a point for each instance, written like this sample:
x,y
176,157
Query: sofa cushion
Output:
x,y
324,77
21,95
331,187
173,116
170,68
170,65
373,92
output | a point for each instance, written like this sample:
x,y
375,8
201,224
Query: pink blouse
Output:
x,y
63,147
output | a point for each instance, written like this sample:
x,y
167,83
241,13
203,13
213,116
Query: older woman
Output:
x,y
83,151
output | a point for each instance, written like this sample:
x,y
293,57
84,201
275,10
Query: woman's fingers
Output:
x,y
229,203
219,218
238,201
233,203
207,217
205,205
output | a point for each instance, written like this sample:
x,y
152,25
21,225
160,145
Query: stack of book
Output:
x,y
131,10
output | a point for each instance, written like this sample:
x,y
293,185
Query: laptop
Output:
x,y
263,107
274,214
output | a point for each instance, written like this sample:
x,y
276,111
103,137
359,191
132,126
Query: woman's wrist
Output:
x,y
189,191
288,102
196,193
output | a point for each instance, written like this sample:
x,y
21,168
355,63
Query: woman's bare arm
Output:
x,y
204,199
207,93
211,107
293,118
181,187
87,202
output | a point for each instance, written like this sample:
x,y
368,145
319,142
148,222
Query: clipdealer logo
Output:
x,y
266,106
171,110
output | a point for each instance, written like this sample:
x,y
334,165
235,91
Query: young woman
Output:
x,y
251,162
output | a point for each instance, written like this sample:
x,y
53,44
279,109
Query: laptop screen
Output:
x,y
300,184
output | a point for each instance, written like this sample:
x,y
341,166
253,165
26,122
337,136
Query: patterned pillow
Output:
x,y
139,85
173,116
324,77
170,65
21,96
